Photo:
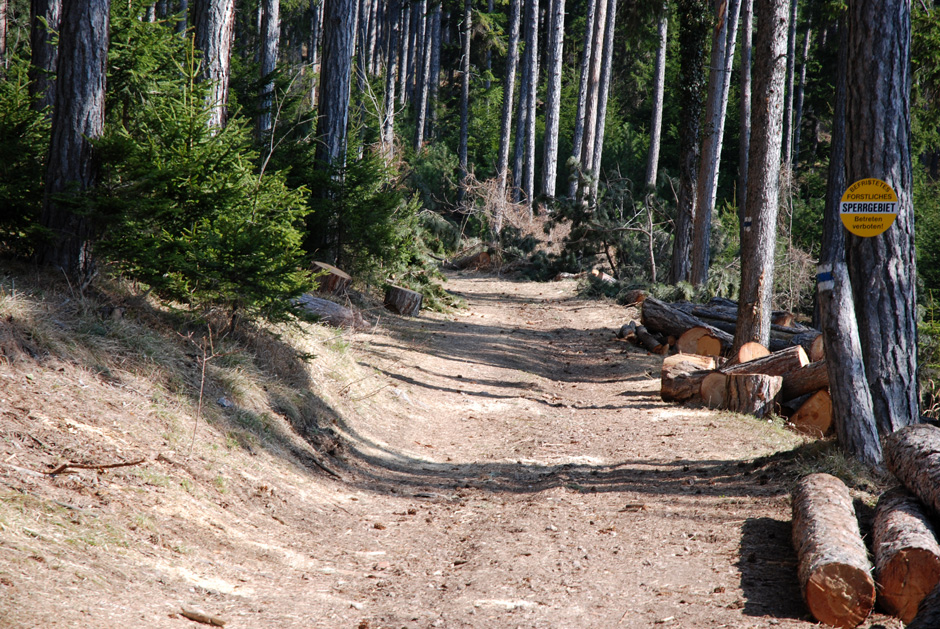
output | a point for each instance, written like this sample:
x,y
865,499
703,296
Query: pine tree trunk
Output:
x,y
182,24
800,89
405,53
316,16
270,40
215,32
44,23
424,77
659,86
371,37
523,107
77,121
418,56
528,177
883,268
577,137
414,48
466,31
744,133
760,220
556,37
791,74
722,58
509,86
391,77
4,4
603,92
593,91
339,39
694,26
435,74
489,51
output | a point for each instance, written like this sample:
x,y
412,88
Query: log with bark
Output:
x,y
812,342
659,316
330,312
649,342
699,340
907,555
403,301
834,570
813,377
682,376
480,260
333,280
602,277
752,393
814,415
779,363
928,614
912,454
751,350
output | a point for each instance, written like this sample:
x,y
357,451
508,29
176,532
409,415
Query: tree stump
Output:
x,y
907,556
334,281
808,379
834,571
912,454
752,393
814,416
330,312
403,301
682,376
699,340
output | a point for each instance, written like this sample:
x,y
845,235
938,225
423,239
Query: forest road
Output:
x,y
530,476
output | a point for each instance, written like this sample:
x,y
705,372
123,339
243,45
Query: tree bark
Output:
x,y
911,455
77,120
391,72
744,132
423,88
602,96
556,38
464,99
529,25
339,39
270,40
4,5
44,21
760,220
907,556
532,41
694,25
215,32
435,73
682,376
593,92
664,318
813,377
659,88
405,52
752,393
791,73
509,86
722,58
577,137
182,24
403,300
834,570
800,89
883,268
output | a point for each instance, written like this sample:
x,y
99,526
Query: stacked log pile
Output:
x,y
789,377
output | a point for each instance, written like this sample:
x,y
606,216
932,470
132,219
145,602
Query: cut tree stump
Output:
x,y
752,393
334,281
812,377
330,312
403,301
907,556
928,614
814,416
699,340
834,571
682,376
912,454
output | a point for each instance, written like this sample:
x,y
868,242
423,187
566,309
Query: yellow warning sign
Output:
x,y
868,207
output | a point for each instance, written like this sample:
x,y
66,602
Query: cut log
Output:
x,y
812,342
911,454
633,297
928,614
649,342
602,277
907,556
333,280
814,416
567,276
812,377
627,331
682,376
752,393
751,350
785,319
714,390
775,364
699,340
661,317
403,301
330,312
834,571
479,260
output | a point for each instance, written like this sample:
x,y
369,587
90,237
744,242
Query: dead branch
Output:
x,y
92,466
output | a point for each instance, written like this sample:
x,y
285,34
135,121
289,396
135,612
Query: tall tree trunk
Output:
x,y
522,110
603,91
215,31
577,137
44,23
659,85
391,78
489,50
763,178
403,58
852,411
744,133
339,40
800,89
420,8
270,40
162,8
509,86
372,36
694,26
791,74
414,48
464,99
722,58
424,79
316,30
182,24
77,121
528,178
435,73
4,5
882,267
556,37
593,90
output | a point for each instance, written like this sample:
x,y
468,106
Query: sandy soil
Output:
x,y
508,465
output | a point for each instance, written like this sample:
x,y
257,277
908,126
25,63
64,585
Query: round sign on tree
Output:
x,y
868,207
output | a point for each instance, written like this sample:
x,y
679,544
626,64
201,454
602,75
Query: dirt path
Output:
x,y
509,465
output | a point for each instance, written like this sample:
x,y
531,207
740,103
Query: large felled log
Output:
x,y
403,301
752,393
928,614
752,350
682,376
812,342
814,416
602,277
661,317
812,377
775,364
699,340
834,571
912,454
333,280
478,260
907,556
330,312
